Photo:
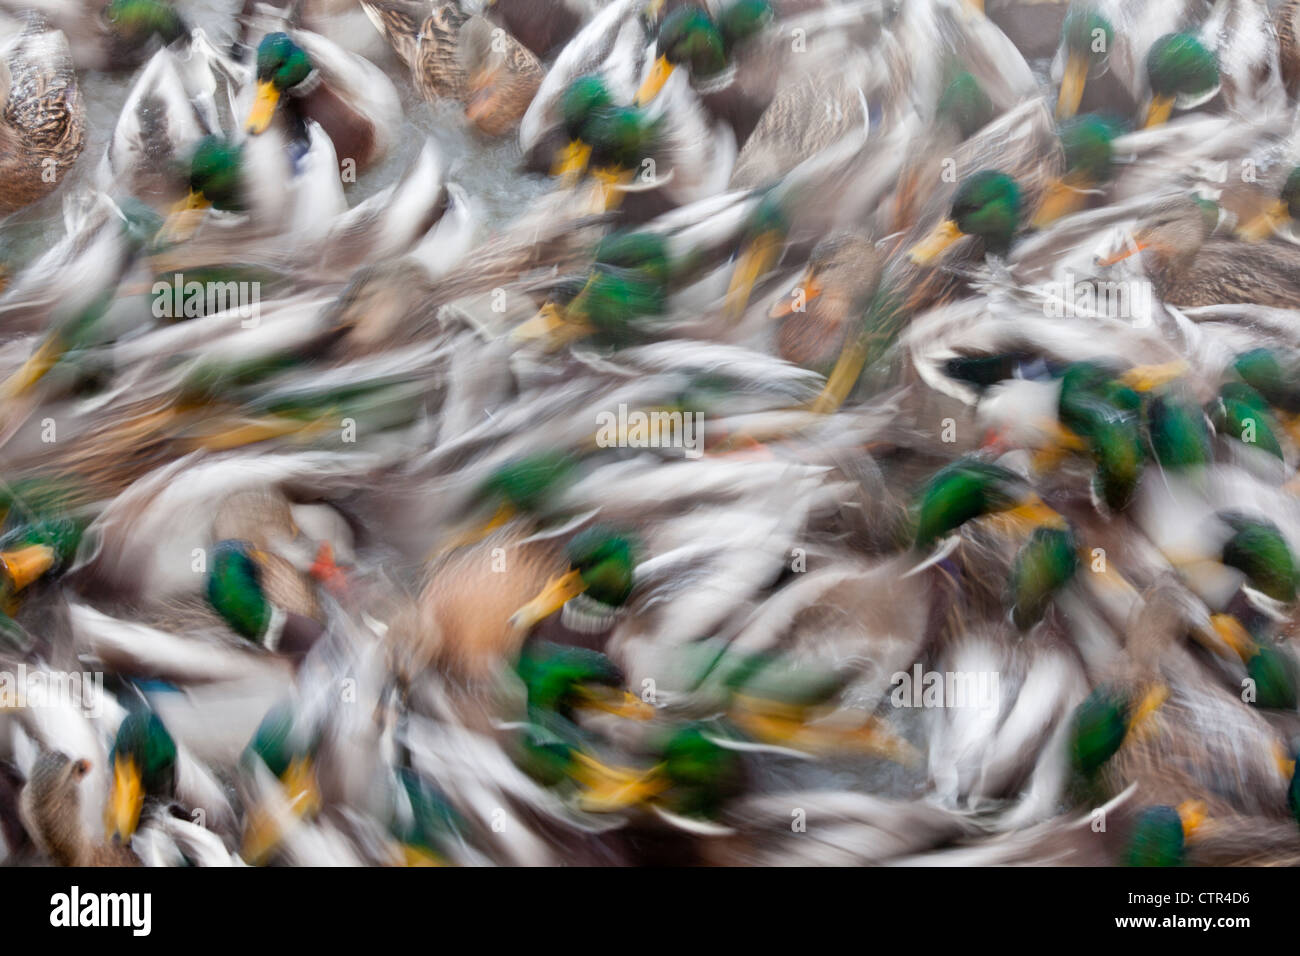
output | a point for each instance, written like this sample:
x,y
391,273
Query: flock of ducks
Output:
x,y
987,314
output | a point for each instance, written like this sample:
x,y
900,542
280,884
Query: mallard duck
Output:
x,y
1189,266
353,101
1131,58
457,55
51,808
111,35
841,278
144,768
45,120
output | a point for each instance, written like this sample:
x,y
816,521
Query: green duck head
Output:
x,y
525,485
1274,374
1044,565
1178,66
987,205
628,281
561,680
742,19
965,489
601,561
1258,550
281,65
1159,835
583,99
287,746
701,775
1273,672
133,22
1100,724
431,827
235,590
965,105
1088,145
1086,37
1103,411
215,175
687,37
1243,415
1179,436
44,545
144,765
216,168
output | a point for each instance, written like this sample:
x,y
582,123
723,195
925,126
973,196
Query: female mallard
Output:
x,y
456,55
302,76
1189,266
842,275
43,128
51,809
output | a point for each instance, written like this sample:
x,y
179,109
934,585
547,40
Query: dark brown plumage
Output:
x,y
43,126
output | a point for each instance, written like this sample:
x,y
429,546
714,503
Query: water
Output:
x,y
488,170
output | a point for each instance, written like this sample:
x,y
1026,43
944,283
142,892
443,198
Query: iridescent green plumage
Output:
x,y
1088,145
987,204
554,676
1241,413
1258,549
1178,64
143,739
702,775
1043,566
604,559
1157,838
965,104
1179,437
526,483
216,168
282,62
1274,374
1099,727
235,590
958,492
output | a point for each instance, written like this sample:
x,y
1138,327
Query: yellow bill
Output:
x,y
1161,108
268,97
25,565
1072,83
125,800
659,74
754,261
936,243
553,597
572,161
184,218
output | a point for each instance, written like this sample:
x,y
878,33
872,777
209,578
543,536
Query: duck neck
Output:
x,y
63,836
